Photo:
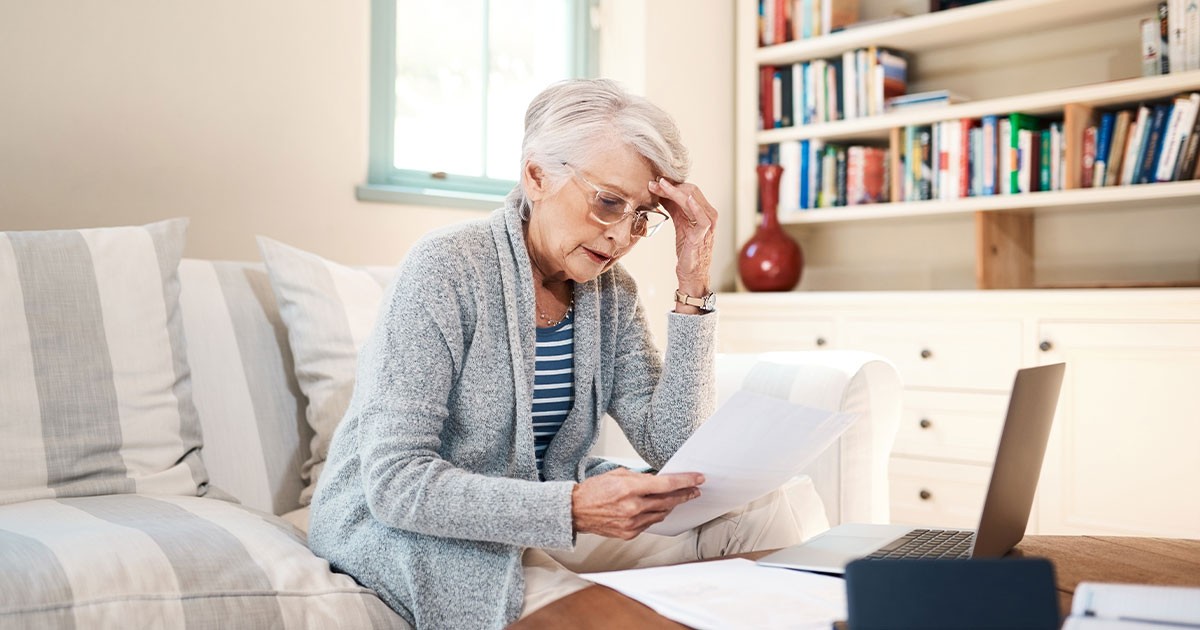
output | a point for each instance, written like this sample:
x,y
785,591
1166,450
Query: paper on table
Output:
x,y
1133,604
749,447
733,594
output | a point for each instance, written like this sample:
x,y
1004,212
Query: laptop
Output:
x,y
1005,510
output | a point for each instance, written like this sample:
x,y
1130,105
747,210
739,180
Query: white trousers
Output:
x,y
775,520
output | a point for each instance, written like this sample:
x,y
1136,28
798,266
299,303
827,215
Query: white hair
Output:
x,y
572,119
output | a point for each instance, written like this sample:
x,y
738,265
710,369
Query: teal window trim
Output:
x,y
387,183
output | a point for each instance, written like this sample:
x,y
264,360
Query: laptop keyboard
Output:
x,y
929,543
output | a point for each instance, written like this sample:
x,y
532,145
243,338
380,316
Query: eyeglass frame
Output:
x,y
630,209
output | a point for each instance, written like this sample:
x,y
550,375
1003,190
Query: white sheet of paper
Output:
x,y
733,594
749,447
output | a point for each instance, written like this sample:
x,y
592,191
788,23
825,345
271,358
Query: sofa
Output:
x,y
163,421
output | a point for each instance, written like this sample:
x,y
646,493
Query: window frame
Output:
x,y
385,182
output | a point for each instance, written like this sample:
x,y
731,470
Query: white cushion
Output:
x,y
329,310
95,389
134,561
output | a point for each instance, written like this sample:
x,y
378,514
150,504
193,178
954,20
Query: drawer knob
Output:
x,y
1045,346
925,495
926,353
925,423
821,341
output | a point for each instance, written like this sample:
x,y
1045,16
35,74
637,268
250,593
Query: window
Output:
x,y
450,81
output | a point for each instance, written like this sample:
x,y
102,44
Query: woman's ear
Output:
x,y
534,179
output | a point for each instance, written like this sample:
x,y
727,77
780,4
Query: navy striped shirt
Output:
x,y
553,383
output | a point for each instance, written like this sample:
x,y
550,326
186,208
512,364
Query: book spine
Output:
x,y
988,167
797,72
780,23
789,180
963,166
777,99
925,148
840,180
766,75
1151,45
1103,139
1175,36
785,96
1089,157
1056,151
1137,140
1003,156
849,85
1044,162
1191,151
805,169
1153,145
1164,29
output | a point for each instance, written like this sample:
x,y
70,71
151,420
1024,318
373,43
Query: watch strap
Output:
x,y
705,303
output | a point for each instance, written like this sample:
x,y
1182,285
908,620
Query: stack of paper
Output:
x,y
729,594
1099,606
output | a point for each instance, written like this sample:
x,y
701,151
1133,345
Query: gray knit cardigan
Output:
x,y
430,493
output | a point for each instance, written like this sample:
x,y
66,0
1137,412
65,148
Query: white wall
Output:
x,y
251,118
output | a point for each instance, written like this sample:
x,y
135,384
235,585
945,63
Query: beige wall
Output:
x,y
251,118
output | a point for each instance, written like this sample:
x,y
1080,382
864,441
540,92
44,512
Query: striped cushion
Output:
x,y
329,310
135,561
95,391
246,394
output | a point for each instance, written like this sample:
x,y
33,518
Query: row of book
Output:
x,y
1171,39
820,175
1157,142
858,83
782,21
995,155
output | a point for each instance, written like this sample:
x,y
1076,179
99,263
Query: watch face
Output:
x,y
710,302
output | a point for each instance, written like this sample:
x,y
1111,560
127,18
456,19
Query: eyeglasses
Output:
x,y
610,208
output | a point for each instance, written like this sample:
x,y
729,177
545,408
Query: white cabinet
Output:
x,y
1125,454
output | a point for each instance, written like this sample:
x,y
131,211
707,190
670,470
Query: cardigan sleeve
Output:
x,y
406,375
659,402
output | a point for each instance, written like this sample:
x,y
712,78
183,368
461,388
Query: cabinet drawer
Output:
x,y
951,425
766,335
937,493
952,354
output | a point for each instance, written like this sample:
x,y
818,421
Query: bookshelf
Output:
x,y
1003,225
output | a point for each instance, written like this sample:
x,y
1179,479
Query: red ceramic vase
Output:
x,y
771,260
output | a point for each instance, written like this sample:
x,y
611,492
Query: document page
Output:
x,y
736,593
749,447
1099,605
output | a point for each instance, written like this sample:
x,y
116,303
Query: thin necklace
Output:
x,y
550,324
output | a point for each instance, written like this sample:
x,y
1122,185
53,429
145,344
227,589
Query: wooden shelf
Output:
x,y
943,29
1037,104
1124,196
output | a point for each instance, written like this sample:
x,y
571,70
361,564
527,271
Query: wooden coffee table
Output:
x,y
1162,561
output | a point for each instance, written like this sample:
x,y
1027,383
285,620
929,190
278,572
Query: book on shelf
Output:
x,y
1089,157
1183,118
1151,47
781,21
1116,153
1103,142
923,99
852,85
1017,122
1152,144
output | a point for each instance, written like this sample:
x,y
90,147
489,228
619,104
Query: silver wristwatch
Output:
x,y
706,303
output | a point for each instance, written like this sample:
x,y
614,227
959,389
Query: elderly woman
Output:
x,y
459,486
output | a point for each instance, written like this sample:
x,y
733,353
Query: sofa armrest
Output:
x,y
851,477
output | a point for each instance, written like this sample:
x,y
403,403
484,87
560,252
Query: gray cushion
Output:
x,y
95,390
